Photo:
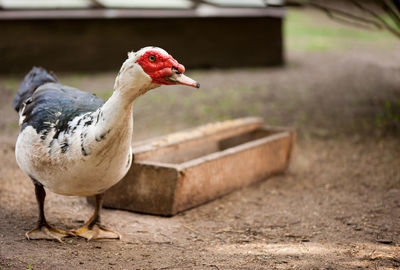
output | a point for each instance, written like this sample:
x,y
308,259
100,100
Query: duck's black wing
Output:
x,y
35,78
50,104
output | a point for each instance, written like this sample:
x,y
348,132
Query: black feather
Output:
x,y
54,105
35,78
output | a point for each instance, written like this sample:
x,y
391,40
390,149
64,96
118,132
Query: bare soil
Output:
x,y
336,207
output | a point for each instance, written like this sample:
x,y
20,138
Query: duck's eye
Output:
x,y
152,58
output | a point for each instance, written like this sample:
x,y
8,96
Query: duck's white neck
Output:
x,y
130,83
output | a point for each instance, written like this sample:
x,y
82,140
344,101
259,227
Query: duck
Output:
x,y
75,144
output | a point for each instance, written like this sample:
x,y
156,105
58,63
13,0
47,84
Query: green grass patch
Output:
x,y
10,84
13,125
389,118
319,33
104,95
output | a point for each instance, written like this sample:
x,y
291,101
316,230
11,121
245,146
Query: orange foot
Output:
x,y
45,231
96,231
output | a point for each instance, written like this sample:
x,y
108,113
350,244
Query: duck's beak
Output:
x,y
179,78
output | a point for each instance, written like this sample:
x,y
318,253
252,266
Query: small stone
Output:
x,y
384,241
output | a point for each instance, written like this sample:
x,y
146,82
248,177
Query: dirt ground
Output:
x,y
336,207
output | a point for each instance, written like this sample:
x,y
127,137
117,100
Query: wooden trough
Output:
x,y
185,169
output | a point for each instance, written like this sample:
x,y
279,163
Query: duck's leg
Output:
x,y
43,227
93,229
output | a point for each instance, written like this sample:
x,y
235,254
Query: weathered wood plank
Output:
x,y
220,173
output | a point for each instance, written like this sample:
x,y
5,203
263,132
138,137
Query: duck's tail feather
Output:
x,y
35,78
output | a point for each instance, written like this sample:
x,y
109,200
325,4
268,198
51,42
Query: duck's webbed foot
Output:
x,y
93,229
45,231
96,231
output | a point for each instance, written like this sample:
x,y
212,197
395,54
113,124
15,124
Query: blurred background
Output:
x,y
293,66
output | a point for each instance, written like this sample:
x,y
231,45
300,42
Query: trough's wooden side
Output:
x,y
147,188
218,174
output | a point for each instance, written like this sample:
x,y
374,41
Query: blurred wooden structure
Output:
x,y
86,39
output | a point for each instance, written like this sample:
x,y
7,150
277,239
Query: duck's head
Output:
x,y
148,68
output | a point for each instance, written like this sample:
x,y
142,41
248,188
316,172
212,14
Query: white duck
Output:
x,y
73,143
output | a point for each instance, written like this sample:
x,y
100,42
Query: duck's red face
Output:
x,y
163,69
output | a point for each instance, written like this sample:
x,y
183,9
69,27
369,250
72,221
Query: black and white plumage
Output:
x,y
74,143
62,142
